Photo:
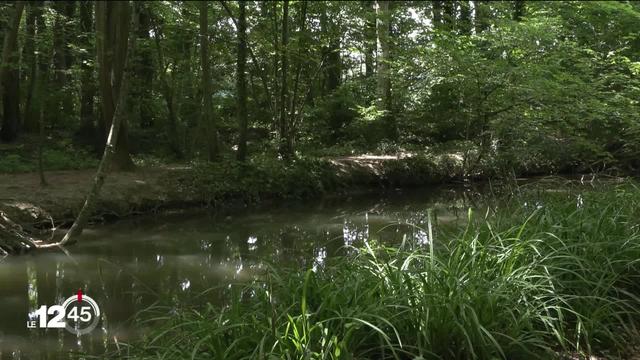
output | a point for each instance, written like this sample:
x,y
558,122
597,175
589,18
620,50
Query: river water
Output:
x,y
129,265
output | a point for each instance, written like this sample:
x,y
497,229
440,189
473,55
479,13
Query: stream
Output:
x,y
129,265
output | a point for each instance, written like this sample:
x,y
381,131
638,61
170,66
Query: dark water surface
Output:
x,y
127,266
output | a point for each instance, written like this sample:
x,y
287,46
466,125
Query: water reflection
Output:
x,y
126,267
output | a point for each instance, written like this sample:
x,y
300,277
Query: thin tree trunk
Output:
x,y
30,55
331,53
242,82
207,120
436,13
384,76
518,10
301,55
143,67
464,23
62,59
449,13
260,70
121,41
87,81
9,77
41,140
481,15
285,151
370,38
168,93
384,68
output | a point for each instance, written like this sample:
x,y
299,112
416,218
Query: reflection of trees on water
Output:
x,y
174,260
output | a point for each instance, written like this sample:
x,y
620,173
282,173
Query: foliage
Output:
x,y
60,156
554,91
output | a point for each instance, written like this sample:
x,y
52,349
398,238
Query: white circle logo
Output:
x,y
82,314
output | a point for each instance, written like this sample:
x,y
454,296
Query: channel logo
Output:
x,y
79,314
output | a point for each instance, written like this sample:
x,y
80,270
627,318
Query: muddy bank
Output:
x,y
36,209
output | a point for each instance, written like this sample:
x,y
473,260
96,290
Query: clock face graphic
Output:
x,y
82,314
79,314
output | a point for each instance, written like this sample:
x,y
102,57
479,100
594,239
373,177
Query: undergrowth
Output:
x,y
548,275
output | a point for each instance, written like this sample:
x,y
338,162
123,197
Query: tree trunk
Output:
x,y
285,150
242,82
370,38
464,23
168,93
30,58
143,65
9,77
87,129
383,27
384,79
112,30
331,54
481,16
109,16
436,14
449,14
300,65
62,60
207,120
518,10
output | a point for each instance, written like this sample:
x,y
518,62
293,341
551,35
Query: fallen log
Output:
x,y
13,239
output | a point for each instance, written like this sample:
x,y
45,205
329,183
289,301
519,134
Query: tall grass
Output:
x,y
549,275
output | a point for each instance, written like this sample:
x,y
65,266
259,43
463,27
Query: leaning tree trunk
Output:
x,y
121,12
112,31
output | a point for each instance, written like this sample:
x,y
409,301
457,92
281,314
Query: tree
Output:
x,y
9,77
241,87
62,103
112,30
330,52
436,13
29,52
87,130
482,8
167,90
142,87
285,145
383,27
464,22
369,37
449,14
110,16
206,119
518,10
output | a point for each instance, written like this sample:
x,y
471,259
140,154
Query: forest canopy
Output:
x,y
530,87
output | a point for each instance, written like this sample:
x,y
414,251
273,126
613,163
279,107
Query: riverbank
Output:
x,y
544,274
36,208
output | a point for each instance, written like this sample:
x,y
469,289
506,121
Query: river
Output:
x,y
132,264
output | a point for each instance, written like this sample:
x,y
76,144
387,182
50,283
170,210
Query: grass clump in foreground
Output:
x,y
548,276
